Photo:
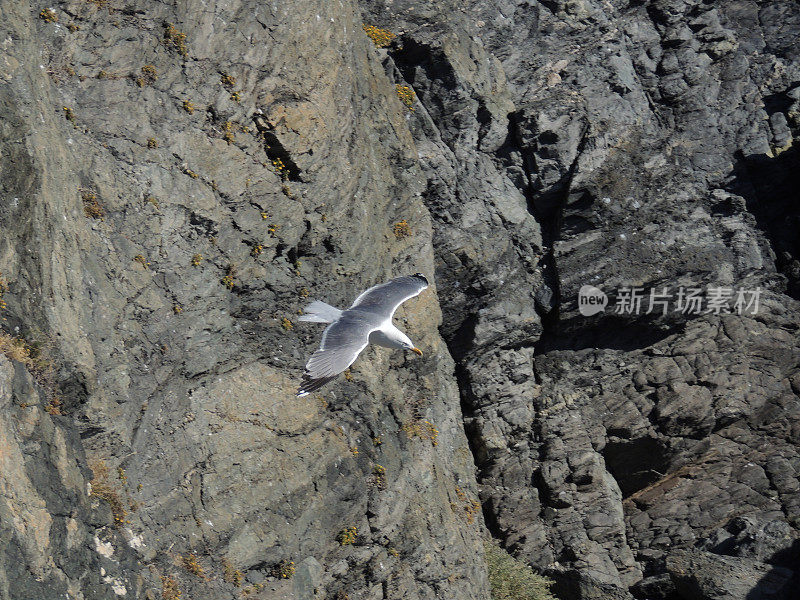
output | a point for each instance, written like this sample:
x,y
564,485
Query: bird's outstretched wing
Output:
x,y
342,342
383,299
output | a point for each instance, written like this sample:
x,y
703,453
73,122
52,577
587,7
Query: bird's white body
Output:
x,y
367,321
390,336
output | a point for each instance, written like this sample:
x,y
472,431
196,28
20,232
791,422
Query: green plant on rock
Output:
x,y
406,95
229,280
231,574
149,76
379,475
511,579
189,562
347,536
139,258
197,259
175,40
3,289
69,114
91,206
103,489
227,80
284,569
48,15
401,229
169,588
380,37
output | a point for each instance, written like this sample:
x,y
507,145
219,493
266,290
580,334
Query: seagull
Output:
x,y
368,320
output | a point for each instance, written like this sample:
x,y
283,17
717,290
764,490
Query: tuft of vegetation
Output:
x,y
379,476
69,115
229,279
197,259
3,290
284,569
139,258
152,143
511,579
236,96
48,15
177,309
422,429
231,574
286,324
227,80
465,507
103,488
347,536
406,95
380,37
169,588
175,40
33,355
189,562
91,206
53,407
149,76
188,106
401,230
257,250
282,169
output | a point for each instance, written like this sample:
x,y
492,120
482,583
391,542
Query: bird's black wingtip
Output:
x,y
421,277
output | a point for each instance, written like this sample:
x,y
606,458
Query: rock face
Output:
x,y
176,185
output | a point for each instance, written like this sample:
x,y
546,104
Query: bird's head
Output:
x,y
413,348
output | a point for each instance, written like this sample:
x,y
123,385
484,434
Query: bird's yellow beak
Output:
x,y
417,351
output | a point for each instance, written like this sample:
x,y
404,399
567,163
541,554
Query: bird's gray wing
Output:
x,y
384,299
342,342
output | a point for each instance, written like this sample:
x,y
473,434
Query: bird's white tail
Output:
x,y
319,312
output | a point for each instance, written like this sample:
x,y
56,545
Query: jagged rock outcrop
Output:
x,y
178,182
176,185
652,145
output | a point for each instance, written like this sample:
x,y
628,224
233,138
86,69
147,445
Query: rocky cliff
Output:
x,y
180,179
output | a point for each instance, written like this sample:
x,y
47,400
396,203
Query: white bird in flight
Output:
x,y
367,321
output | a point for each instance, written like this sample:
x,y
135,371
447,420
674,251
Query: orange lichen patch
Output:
x,y
380,37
